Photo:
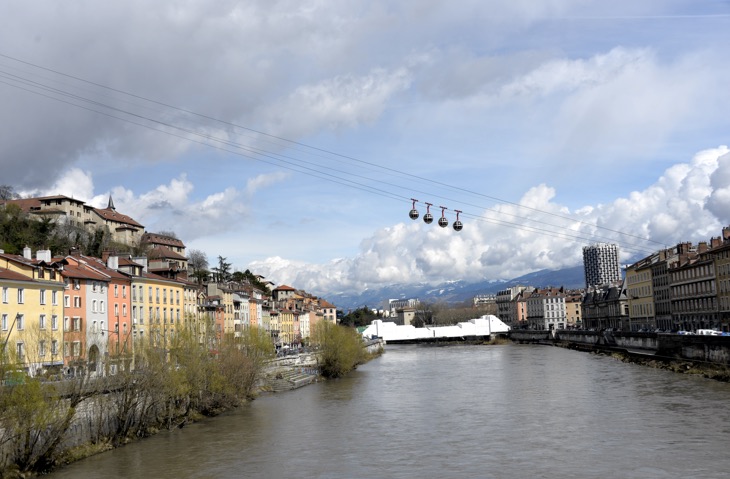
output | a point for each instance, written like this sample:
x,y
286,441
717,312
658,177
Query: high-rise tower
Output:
x,y
600,264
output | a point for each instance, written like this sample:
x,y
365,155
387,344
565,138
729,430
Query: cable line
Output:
x,y
294,164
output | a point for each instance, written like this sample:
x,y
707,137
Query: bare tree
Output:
x,y
168,233
197,260
7,192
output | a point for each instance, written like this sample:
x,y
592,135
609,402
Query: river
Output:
x,y
504,411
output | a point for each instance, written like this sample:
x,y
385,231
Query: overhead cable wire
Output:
x,y
257,153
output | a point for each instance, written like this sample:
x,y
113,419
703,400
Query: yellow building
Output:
x,y
31,308
286,326
157,303
640,293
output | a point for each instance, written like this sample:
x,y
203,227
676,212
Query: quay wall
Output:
x,y
710,349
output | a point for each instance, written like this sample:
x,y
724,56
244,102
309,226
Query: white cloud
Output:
x,y
671,210
343,101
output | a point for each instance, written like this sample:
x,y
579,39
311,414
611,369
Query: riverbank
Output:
x,y
706,356
86,437
705,369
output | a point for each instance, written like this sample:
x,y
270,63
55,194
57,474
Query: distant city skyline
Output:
x,y
290,139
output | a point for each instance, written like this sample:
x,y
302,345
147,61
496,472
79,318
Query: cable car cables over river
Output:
x,y
309,160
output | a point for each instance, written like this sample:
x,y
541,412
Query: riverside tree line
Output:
x,y
44,424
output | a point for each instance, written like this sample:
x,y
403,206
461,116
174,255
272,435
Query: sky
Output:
x,y
290,137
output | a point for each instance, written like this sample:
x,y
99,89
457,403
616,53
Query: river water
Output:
x,y
506,411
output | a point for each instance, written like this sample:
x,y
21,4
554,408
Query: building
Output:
x,y
694,292
166,255
546,309
640,292
601,264
30,312
573,309
605,307
507,307
76,213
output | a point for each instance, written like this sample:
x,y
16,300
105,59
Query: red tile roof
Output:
x,y
112,215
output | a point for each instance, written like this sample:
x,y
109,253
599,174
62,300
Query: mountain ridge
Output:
x,y
455,291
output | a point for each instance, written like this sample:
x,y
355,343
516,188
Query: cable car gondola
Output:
x,y
428,217
457,224
414,212
443,222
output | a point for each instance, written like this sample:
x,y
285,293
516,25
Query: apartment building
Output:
x,y
30,312
601,264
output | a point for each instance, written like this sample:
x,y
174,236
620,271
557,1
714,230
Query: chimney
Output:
x,y
43,255
702,247
715,241
112,262
141,260
27,253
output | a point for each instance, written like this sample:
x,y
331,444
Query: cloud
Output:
x,y
687,203
343,101
262,181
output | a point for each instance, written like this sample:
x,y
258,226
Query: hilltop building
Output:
x,y
76,213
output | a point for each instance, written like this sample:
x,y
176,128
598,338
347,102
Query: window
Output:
x,y
54,298
54,347
21,295
124,291
116,310
77,301
20,322
76,348
77,323
41,348
5,294
42,321
54,322
102,307
43,296
116,290
67,301
93,306
20,351
5,322
66,323
150,290
66,350
124,310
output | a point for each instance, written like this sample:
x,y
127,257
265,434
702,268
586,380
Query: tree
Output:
x,y
7,192
222,272
340,348
168,233
360,317
197,260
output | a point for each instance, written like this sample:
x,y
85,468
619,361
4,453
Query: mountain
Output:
x,y
455,291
